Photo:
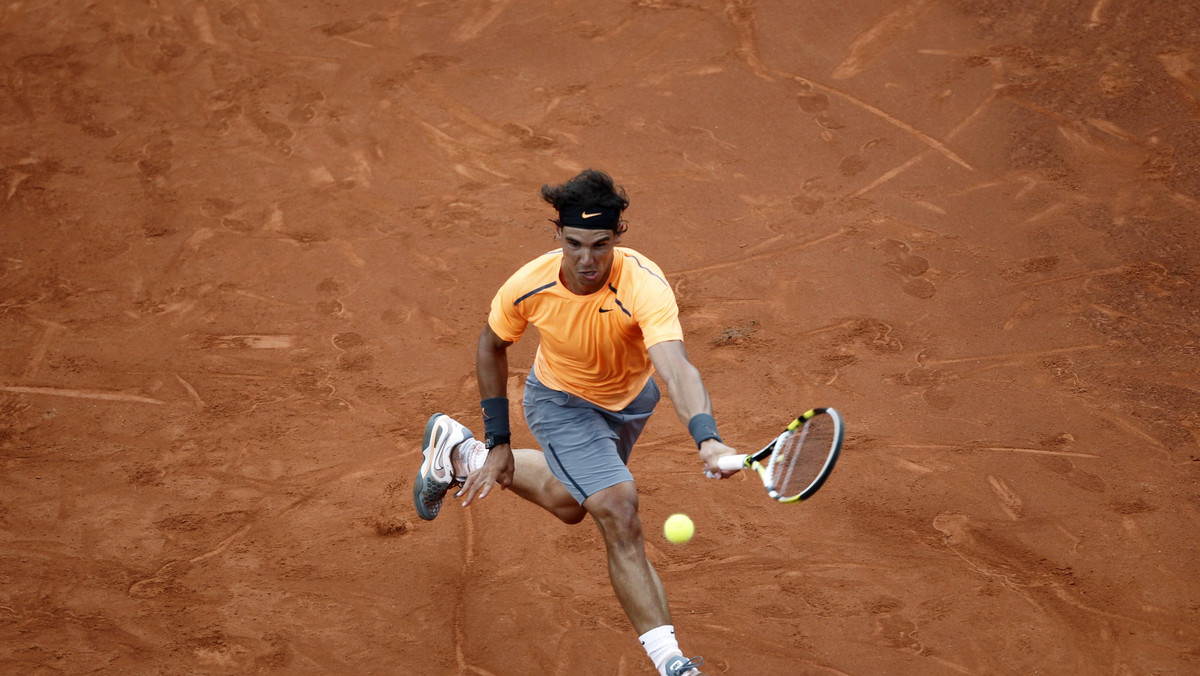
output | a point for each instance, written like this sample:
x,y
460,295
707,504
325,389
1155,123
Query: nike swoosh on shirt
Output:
x,y
604,310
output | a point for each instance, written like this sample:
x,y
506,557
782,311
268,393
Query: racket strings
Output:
x,y
799,460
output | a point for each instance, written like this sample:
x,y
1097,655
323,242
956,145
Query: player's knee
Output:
x,y
618,519
623,537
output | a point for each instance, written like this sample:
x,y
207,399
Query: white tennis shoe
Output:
x,y
436,476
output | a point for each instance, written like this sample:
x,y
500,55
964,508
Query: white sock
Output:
x,y
469,456
660,645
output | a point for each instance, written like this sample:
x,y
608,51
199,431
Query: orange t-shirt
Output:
x,y
593,346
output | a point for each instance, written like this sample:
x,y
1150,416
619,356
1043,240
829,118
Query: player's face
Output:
x,y
587,258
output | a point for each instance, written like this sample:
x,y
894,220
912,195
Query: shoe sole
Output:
x,y
419,483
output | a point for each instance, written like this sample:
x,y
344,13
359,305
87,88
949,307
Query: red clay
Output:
x,y
246,249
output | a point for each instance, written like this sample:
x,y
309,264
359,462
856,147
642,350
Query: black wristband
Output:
x,y
495,416
703,427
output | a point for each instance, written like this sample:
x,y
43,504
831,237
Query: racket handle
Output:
x,y
731,462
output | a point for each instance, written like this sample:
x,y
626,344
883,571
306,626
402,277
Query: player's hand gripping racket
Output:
x,y
798,461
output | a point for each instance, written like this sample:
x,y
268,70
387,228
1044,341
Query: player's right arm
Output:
x,y
690,398
491,370
491,364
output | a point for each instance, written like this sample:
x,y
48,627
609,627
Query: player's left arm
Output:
x,y
689,396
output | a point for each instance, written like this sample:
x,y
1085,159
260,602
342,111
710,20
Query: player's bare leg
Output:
x,y
615,511
637,585
533,481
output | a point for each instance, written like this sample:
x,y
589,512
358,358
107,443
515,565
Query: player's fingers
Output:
x,y
469,490
471,484
486,489
482,484
481,491
470,496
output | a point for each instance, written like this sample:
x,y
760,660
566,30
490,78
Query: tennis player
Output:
x,y
607,320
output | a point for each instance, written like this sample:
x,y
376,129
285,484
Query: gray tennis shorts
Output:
x,y
586,446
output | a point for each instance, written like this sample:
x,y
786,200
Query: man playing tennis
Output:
x,y
608,320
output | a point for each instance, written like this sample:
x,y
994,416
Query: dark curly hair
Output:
x,y
591,188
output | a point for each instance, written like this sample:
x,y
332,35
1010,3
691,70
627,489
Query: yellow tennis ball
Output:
x,y
678,528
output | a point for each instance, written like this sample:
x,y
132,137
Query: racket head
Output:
x,y
802,458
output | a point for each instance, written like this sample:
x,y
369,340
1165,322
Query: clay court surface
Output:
x,y
246,249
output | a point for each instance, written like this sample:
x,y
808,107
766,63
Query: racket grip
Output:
x,y
731,462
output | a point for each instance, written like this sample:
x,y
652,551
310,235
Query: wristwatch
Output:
x,y
491,440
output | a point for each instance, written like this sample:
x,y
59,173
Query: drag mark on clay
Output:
x,y
988,555
874,41
259,296
1010,501
190,390
904,166
893,120
252,341
460,606
13,183
482,18
437,96
81,394
831,327
356,43
1011,356
221,547
1124,424
1000,449
1079,275
203,22
763,256
1094,20
163,577
1117,314
742,15
913,466
957,532
889,175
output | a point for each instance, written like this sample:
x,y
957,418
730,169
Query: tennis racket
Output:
x,y
797,462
